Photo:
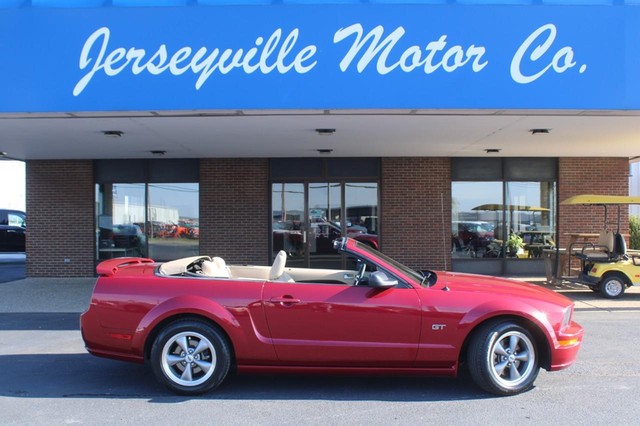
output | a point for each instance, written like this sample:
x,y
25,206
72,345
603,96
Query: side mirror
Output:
x,y
379,279
339,243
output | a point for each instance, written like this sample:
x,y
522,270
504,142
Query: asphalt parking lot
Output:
x,y
48,378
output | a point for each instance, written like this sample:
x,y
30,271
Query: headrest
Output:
x,y
215,268
277,269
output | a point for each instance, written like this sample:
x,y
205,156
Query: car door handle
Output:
x,y
285,300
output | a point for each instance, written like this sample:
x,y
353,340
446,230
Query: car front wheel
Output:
x,y
190,357
503,358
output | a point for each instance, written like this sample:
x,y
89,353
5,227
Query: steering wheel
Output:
x,y
195,267
362,268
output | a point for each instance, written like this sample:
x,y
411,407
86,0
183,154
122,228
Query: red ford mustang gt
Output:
x,y
193,319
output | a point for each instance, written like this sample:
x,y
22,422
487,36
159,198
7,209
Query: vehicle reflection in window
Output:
x,y
149,220
483,226
173,220
474,239
120,210
475,231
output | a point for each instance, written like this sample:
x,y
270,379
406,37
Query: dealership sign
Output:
x,y
280,54
319,57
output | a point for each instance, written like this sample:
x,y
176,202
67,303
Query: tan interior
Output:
x,y
251,272
297,274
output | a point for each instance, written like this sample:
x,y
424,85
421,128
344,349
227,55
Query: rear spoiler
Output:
x,y
108,268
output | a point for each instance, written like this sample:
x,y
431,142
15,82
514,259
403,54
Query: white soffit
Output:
x,y
291,133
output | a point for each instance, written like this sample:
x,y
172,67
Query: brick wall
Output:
x,y
591,176
60,219
234,204
234,209
415,203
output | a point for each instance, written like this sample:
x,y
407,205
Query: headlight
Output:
x,y
566,318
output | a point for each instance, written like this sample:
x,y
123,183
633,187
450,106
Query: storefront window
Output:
x,y
150,220
503,209
485,227
530,218
147,208
172,215
120,210
477,220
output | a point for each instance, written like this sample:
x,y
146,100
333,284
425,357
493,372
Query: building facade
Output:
x,y
445,134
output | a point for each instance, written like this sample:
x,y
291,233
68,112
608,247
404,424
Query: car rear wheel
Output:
x,y
613,286
190,357
503,358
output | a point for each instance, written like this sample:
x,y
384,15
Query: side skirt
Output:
x,y
349,371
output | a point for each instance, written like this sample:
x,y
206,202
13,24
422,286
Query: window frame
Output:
x,y
504,170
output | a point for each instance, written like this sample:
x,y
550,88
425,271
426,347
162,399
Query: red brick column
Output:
x,y
415,206
60,219
602,176
234,209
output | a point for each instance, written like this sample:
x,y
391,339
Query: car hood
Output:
x,y
473,283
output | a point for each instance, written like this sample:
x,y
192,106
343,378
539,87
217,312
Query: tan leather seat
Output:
x,y
603,250
216,268
277,272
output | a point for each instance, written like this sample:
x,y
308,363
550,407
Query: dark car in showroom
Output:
x,y
13,227
122,240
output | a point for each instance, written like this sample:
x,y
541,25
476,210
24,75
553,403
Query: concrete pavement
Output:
x,y
46,295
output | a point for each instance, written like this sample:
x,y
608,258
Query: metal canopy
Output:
x,y
510,207
592,199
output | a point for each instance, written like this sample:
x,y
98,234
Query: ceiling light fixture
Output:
x,y
492,150
113,133
325,132
539,131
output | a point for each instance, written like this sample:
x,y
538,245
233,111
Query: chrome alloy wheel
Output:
x,y
188,359
613,287
512,358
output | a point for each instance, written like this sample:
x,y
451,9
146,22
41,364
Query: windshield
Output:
x,y
417,276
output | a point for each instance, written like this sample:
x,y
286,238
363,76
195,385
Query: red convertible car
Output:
x,y
197,318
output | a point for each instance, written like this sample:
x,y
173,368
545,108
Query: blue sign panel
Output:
x,y
320,57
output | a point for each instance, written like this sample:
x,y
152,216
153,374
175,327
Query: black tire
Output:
x,y
190,357
503,358
613,286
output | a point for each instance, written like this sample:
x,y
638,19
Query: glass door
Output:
x,y
288,222
324,213
308,217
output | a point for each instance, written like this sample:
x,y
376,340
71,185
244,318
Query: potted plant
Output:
x,y
514,244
